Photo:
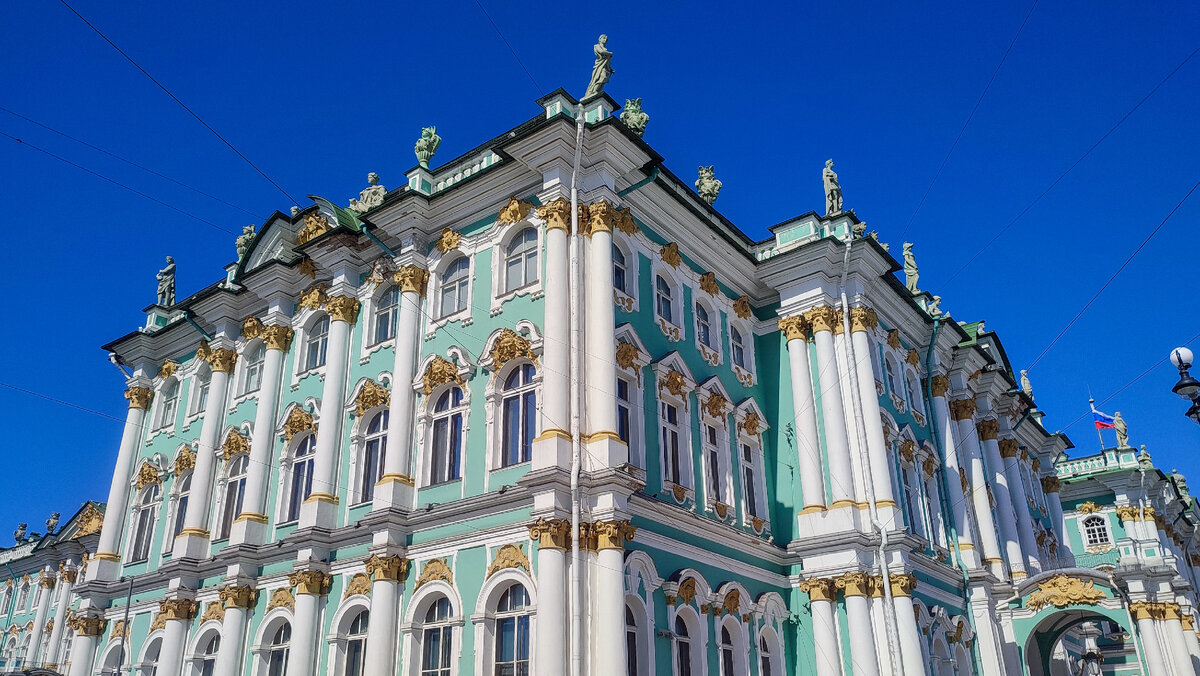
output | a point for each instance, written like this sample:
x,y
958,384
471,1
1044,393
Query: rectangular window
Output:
x,y
670,443
713,458
623,412
447,436
749,486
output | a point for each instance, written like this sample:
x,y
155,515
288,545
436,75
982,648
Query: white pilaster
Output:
x,y
193,540
812,475
600,346
320,508
251,525
863,657
47,583
841,476
107,557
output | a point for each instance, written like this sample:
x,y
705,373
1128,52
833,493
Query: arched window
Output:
x,y
662,299
22,597
317,343
889,371
1095,531
672,453
446,452
519,408
437,639
512,632
385,315
750,479
725,648
181,503
712,462
521,260
703,326
235,492
683,648
302,469
914,389
454,287
619,269
631,643
149,665
737,347
254,368
356,645
203,382
764,657
143,523
374,448
207,662
277,651
170,403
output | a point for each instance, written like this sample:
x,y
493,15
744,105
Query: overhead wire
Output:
x,y
510,47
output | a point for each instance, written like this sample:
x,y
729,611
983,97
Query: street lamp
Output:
x,y
1188,388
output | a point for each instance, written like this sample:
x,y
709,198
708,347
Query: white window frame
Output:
x,y
430,417
636,443
744,373
438,281
246,364
287,477
165,418
487,615
671,328
360,439
223,530
371,339
310,334
1107,530
201,386
151,522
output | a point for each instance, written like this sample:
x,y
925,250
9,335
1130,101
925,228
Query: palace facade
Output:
x,y
460,427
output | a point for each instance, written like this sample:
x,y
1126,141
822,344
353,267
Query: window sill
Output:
x,y
672,332
450,481
463,315
744,376
501,468
623,300
681,494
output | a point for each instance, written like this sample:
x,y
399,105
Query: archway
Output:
x,y
1072,641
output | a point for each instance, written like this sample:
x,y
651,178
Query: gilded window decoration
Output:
x,y
314,297
148,474
1063,590
235,444
185,461
440,372
715,404
625,222
167,369
213,611
252,328
741,307
370,396
508,556
307,267
514,212
298,421
749,424
282,598
90,521
673,382
359,584
448,241
1088,507
669,253
708,283
510,345
435,569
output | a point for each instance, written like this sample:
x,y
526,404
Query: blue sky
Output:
x,y
318,94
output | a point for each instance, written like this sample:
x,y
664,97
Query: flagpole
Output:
x,y
1092,403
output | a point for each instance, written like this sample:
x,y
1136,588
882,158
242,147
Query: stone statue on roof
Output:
x,y
934,308
910,268
633,117
244,240
427,145
52,522
166,284
1180,483
19,533
1122,430
833,190
707,185
1144,459
370,197
602,71
1026,386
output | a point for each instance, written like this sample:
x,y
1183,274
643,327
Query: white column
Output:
x,y
876,602
311,586
387,573
231,656
863,657
107,557
395,487
1181,657
609,620
1193,642
600,344
39,619
1010,455
320,509
550,653
954,474
862,320
962,411
933,493
837,448
812,475
1050,486
553,446
1156,663
821,597
192,541
179,614
1005,515
912,655
66,582
251,525
88,630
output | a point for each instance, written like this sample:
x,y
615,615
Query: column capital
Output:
x,y
863,319
278,337
310,582
557,214
343,308
1188,621
854,583
1168,611
68,575
412,279
940,385
1124,512
390,568
1141,610
177,609
47,581
602,216
139,397
1009,448
988,429
87,625
613,534
238,597
818,588
795,327
963,409
1050,484
551,533
220,359
821,318
903,584
875,586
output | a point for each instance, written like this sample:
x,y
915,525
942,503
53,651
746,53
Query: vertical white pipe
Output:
x,y
573,594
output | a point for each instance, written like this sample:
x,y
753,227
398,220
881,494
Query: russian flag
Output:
x,y
1103,421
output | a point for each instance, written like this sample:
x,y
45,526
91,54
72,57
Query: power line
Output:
x,y
1073,165
510,47
1118,271
116,183
967,122
127,161
176,100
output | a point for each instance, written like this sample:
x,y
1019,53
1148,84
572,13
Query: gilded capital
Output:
x,y
863,319
87,625
821,318
139,397
390,568
177,609
47,581
1188,621
1009,448
819,589
988,429
278,337
940,385
1169,611
602,216
613,534
963,409
1128,513
557,215
1142,610
903,585
1050,484
221,359
794,327
551,533
853,584
310,582
238,597
342,308
1148,514
69,575
412,279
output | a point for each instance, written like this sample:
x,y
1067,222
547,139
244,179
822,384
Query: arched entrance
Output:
x,y
1080,642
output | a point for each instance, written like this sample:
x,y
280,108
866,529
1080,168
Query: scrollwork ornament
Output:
x,y
448,241
508,556
278,337
435,569
235,444
741,307
627,354
794,327
708,283
749,424
298,421
238,597
1061,591
372,395
625,222
313,298
148,474
310,582
602,216
669,253
252,328
1088,507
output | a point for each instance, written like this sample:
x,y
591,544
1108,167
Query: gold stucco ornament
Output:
x,y
510,345
1063,590
514,212
235,444
435,569
359,584
313,297
1088,507
741,307
508,556
371,396
148,474
448,241
440,372
669,253
315,225
714,405
298,421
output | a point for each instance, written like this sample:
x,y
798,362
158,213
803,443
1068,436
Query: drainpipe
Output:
x,y
948,514
366,230
649,179
889,609
574,593
187,314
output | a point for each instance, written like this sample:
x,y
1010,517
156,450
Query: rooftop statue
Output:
x,y
833,190
1180,483
1026,386
19,533
858,230
295,211
934,308
244,240
1144,459
633,117
602,71
166,284
370,197
707,185
427,145
910,268
52,522
1122,431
